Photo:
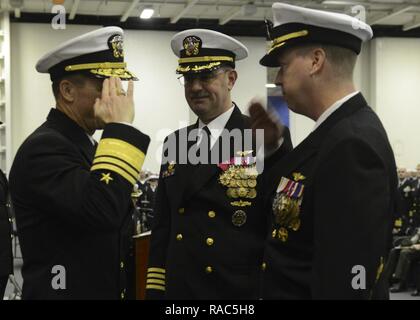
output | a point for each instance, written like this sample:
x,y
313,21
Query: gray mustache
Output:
x,y
198,96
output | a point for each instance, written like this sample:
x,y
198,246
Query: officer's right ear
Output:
x,y
232,77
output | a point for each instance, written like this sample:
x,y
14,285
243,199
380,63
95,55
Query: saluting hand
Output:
x,y
261,119
114,105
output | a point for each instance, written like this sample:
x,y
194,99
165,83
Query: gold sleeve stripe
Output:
x,y
156,281
117,162
380,269
118,170
156,287
156,275
122,150
153,269
205,59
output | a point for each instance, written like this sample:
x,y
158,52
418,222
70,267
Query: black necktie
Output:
x,y
203,143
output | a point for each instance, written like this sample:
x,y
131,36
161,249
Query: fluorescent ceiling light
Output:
x,y
147,13
270,85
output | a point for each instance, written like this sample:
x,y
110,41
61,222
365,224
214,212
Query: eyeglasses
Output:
x,y
204,77
282,67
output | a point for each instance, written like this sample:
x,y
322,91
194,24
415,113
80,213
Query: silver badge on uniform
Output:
x,y
239,218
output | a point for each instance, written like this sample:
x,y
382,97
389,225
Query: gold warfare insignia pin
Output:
x,y
241,203
297,176
244,153
115,43
239,218
106,177
192,45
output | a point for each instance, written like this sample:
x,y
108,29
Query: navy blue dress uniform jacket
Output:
x,y
6,256
73,205
348,172
196,251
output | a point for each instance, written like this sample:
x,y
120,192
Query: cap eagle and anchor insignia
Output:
x,y
192,45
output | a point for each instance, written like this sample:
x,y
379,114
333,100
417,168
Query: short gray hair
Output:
x,y
342,59
77,79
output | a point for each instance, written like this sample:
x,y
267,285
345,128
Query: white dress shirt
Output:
x,y
215,126
93,141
